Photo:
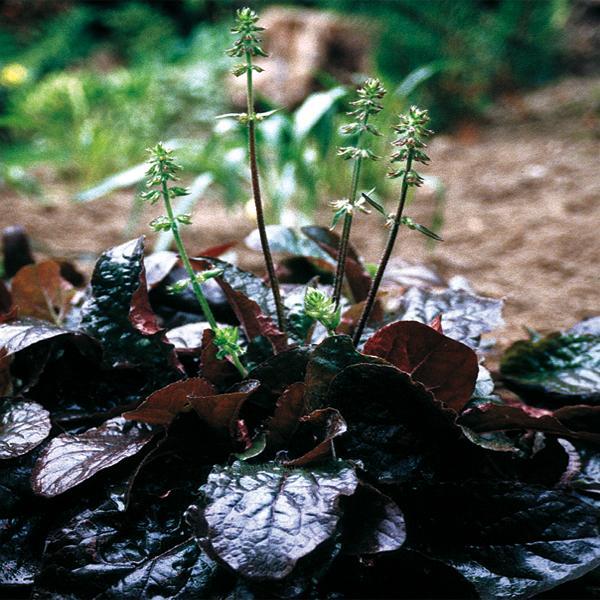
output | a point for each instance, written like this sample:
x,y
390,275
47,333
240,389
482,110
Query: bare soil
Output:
x,y
522,217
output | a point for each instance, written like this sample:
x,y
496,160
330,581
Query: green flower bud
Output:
x,y
161,223
227,341
248,42
321,308
179,286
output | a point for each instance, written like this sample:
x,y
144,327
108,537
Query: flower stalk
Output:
x,y
412,132
367,105
248,46
161,171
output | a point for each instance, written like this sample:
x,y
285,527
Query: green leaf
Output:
x,y
378,207
257,447
421,229
262,519
560,365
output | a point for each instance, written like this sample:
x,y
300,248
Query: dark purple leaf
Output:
x,y
69,460
220,411
323,235
373,523
18,335
508,539
465,316
262,519
394,423
358,278
181,572
578,422
94,552
290,407
444,366
118,314
250,299
5,375
286,240
188,338
162,406
277,373
329,358
218,371
315,436
158,265
23,426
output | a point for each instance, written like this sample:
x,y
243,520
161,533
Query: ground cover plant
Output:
x,y
178,428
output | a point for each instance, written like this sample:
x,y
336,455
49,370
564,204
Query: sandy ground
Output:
x,y
522,216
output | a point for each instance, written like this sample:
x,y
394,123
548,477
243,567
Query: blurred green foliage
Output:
x,y
88,87
474,48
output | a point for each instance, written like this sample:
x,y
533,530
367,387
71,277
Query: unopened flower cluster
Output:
x,y
410,141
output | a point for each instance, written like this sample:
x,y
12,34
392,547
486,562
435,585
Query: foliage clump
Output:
x,y
212,435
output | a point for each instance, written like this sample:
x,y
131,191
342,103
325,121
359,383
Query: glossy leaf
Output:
x,y
394,423
262,519
188,338
315,435
444,366
19,335
465,316
251,301
69,460
40,292
508,539
328,359
559,366
118,314
158,265
218,371
277,373
23,426
373,523
290,407
183,571
578,421
220,411
93,552
359,280
286,240
5,375
162,406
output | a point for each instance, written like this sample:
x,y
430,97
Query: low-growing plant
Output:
x,y
161,436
